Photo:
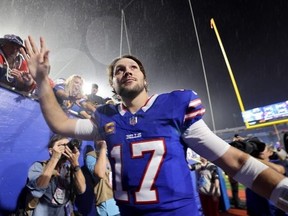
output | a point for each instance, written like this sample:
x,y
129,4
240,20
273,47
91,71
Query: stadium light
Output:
x,y
248,126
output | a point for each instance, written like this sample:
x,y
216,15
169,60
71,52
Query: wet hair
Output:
x,y
54,138
111,67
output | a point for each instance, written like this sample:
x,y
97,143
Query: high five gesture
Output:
x,y
38,61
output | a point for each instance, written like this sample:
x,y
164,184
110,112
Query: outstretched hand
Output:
x,y
37,60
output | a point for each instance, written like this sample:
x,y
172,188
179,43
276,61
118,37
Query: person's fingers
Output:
x,y
16,74
33,45
42,45
46,58
66,155
28,49
68,150
59,147
102,144
75,150
23,52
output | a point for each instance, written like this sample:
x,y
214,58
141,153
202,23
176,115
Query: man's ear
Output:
x,y
145,85
112,86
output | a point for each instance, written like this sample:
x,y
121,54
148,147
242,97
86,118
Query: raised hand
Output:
x,y
59,148
37,60
72,155
100,144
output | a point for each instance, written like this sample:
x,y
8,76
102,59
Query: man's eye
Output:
x,y
119,71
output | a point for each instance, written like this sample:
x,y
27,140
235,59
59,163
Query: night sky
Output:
x,y
84,36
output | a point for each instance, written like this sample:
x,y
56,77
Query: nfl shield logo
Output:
x,y
133,120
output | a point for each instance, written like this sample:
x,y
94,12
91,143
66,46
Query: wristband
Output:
x,y
76,168
249,171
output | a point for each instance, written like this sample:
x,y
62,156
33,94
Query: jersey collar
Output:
x,y
123,109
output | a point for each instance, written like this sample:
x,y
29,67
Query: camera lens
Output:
x,y
74,143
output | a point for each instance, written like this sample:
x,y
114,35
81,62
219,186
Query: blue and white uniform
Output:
x,y
147,153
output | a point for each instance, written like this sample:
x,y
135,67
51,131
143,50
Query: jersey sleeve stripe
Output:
x,y
195,103
193,114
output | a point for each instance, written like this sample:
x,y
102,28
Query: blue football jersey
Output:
x,y
147,154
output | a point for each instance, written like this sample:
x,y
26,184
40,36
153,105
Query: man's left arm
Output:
x,y
242,167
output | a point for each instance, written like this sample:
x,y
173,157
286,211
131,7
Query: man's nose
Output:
x,y
127,71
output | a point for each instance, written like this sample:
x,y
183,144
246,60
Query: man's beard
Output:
x,y
131,93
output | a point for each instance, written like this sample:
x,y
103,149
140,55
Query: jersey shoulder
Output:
x,y
179,97
107,110
189,102
184,94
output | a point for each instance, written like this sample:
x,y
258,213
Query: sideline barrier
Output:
x,y
24,136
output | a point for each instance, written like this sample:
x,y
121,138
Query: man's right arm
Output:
x,y
39,67
54,115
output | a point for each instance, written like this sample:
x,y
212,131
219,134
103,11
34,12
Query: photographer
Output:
x,y
54,183
258,149
100,169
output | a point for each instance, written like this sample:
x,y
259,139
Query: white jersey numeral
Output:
x,y
146,192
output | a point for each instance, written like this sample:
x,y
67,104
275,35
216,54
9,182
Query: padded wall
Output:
x,y
24,137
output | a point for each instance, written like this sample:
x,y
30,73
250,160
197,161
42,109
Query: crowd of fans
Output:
x,y
14,75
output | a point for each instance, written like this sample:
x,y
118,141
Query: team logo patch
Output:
x,y
133,120
109,128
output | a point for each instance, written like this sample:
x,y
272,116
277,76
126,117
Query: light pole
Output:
x,y
203,67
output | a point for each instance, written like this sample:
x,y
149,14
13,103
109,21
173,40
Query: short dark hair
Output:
x,y
54,138
94,85
113,63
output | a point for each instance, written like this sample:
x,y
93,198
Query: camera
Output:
x,y
74,143
252,146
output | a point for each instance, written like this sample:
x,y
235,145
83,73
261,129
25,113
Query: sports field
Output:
x,y
233,211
